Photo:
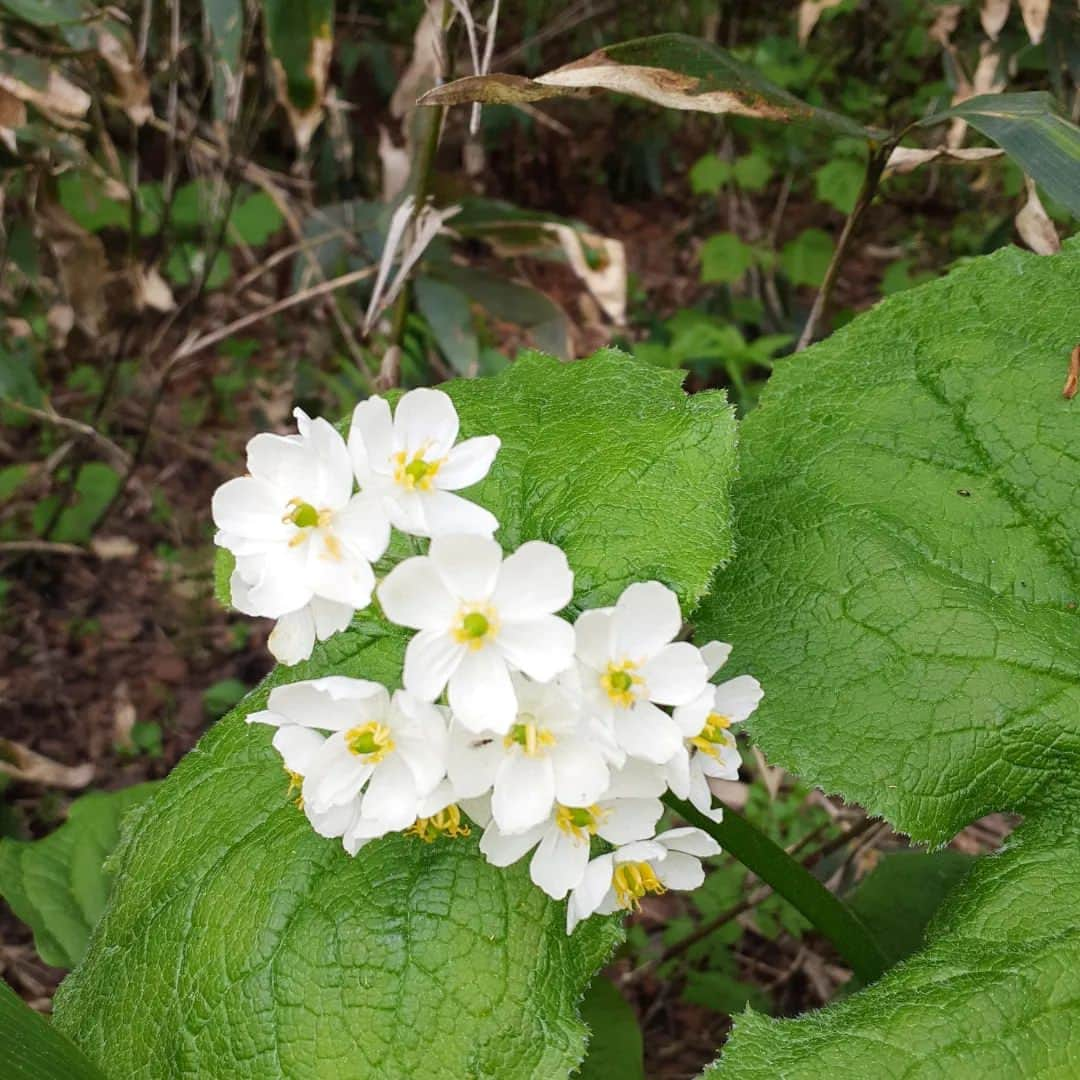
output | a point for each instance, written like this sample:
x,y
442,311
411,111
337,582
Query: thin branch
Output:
x,y
77,426
42,547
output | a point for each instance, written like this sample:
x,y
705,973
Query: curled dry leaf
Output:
x,y
809,13
33,81
12,116
114,547
26,765
1035,13
1034,224
607,279
132,86
994,14
906,159
152,290
424,66
1072,379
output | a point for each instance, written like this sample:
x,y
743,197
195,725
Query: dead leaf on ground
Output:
x,y
1035,13
906,159
80,259
152,290
26,765
1072,380
809,13
606,280
1034,224
124,717
994,14
114,547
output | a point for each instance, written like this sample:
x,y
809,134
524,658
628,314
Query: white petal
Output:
x,y
425,420
283,461
559,863
297,746
431,658
293,637
390,795
524,792
335,473
535,580
581,775
472,761
333,822
689,840
481,695
334,703
240,594
646,618
330,616
282,586
444,514
467,463
698,790
637,779
595,634
738,698
691,717
334,776
371,437
678,773
501,849
468,565
641,851
675,675
541,648
646,732
630,819
413,594
715,655
251,508
405,510
334,575
679,871
592,889
362,528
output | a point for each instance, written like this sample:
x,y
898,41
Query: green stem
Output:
x,y
791,880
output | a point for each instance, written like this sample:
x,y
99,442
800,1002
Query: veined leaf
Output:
x,y
907,592
238,943
1029,128
32,1049
673,70
59,885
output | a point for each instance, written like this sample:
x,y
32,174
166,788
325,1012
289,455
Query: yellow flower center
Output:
x,y
446,822
370,741
714,736
529,736
304,516
296,783
476,626
415,473
632,880
580,822
619,682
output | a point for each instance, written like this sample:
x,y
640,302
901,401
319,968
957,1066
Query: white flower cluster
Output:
x,y
542,733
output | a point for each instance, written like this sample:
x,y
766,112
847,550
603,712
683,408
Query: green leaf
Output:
x,y
446,309
907,593
18,372
616,1051
46,12
806,258
223,695
898,898
58,886
1029,128
255,219
83,196
838,183
95,487
240,943
299,35
725,258
673,70
709,174
752,172
32,1049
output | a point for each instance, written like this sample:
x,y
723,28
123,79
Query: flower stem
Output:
x,y
788,877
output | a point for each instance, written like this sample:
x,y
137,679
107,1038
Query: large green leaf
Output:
x,y
299,35
907,593
1030,129
32,1049
238,943
673,70
59,885
616,1051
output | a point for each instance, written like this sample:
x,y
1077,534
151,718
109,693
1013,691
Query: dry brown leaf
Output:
x,y
80,258
1035,13
152,290
124,717
60,320
114,547
945,22
12,116
21,763
1072,379
607,282
424,67
396,162
305,122
809,13
132,86
1034,224
772,776
59,97
906,159
989,77
733,793
994,14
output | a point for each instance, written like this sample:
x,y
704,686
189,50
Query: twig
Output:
x,y
77,426
42,547
879,155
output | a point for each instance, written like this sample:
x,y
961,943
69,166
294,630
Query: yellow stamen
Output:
x,y
619,681
296,783
580,822
415,473
714,736
446,822
632,880
476,626
370,741
304,516
529,737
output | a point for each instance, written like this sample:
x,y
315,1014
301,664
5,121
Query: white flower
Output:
x,y
298,533
564,837
480,617
709,748
549,754
412,464
629,667
622,877
295,634
371,774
